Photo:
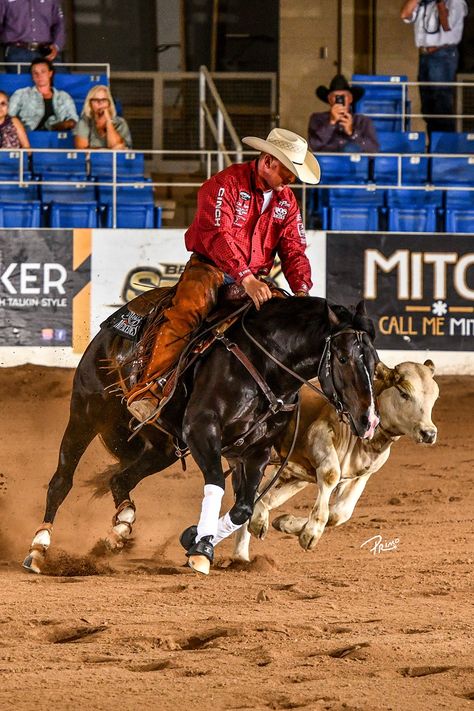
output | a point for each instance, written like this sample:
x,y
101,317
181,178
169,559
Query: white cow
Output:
x,y
328,454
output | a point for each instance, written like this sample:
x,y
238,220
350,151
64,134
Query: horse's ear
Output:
x,y
333,319
429,364
360,309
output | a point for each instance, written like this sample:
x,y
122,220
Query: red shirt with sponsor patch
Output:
x,y
230,230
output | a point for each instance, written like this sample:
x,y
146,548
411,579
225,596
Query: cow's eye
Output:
x,y
404,395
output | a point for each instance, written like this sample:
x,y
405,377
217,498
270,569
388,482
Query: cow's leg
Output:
x,y
346,496
78,435
258,524
328,475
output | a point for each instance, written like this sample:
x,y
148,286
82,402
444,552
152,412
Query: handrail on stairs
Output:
x,y
223,121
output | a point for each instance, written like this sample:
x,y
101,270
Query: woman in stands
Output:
x,y
99,125
42,107
12,131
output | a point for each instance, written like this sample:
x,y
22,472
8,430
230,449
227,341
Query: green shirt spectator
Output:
x,y
99,125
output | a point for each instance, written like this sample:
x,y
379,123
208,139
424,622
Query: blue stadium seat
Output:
x,y
382,99
367,196
140,193
10,163
414,169
412,219
73,215
51,139
414,198
76,192
68,163
459,211
353,218
344,168
132,216
78,85
11,82
158,216
19,193
130,165
452,142
452,171
20,214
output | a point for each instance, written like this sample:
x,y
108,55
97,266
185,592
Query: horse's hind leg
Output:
x,y
77,437
148,462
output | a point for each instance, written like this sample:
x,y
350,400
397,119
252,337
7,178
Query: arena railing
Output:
x,y
466,82
79,67
209,159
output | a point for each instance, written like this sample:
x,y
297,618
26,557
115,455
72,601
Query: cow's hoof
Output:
x,y
34,562
258,525
308,539
286,523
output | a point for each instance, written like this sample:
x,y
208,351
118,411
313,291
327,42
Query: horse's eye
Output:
x,y
342,359
404,395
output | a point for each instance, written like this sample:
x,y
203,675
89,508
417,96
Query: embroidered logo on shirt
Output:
x,y
241,209
279,213
218,208
243,195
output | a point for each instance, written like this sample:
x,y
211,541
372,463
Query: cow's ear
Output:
x,y
429,364
384,377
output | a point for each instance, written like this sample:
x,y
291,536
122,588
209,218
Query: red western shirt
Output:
x,y
230,230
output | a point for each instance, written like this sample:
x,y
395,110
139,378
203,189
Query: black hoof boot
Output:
x,y
203,547
188,537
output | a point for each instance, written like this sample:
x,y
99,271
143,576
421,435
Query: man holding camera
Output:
x,y
340,130
31,30
438,26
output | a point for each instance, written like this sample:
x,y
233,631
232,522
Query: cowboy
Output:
x,y
246,214
339,130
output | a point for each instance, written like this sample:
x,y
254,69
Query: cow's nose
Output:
x,y
428,436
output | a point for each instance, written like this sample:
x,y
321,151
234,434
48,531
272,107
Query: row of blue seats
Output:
x,y
77,85
35,214
386,98
397,210
74,164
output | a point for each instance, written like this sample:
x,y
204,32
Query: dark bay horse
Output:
x,y
218,408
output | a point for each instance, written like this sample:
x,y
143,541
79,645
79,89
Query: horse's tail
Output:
x,y
100,482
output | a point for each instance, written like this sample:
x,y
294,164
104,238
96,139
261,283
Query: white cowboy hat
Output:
x,y
291,150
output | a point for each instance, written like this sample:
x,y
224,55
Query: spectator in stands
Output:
x,y
42,107
99,125
31,30
12,132
340,130
438,31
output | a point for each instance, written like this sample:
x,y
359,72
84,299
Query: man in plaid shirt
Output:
x,y
246,215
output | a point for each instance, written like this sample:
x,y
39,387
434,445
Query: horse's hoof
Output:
x,y
188,537
113,542
199,563
33,562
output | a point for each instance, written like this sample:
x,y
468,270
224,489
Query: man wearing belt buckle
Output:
x,y
438,26
246,215
29,30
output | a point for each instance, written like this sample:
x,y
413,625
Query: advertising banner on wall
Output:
x,y
419,289
40,280
127,262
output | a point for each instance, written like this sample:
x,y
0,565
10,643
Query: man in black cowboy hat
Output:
x,y
339,130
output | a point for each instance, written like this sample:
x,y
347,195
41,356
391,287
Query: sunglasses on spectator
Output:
x,y
97,101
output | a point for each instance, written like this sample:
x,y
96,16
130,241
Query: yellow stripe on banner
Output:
x,y
416,309
461,309
81,306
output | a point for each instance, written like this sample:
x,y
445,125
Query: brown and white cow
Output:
x,y
327,453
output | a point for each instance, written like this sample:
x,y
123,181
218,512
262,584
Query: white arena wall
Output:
x,y
57,286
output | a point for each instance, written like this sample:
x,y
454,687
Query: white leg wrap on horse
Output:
x,y
124,519
225,528
42,538
210,509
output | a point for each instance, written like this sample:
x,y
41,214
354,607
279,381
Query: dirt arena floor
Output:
x,y
338,628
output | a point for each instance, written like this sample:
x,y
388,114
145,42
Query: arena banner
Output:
x,y
127,262
44,278
419,288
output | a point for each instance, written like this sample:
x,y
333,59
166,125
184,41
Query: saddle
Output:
x,y
140,320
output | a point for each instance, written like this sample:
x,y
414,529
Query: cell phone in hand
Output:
x,y
340,99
